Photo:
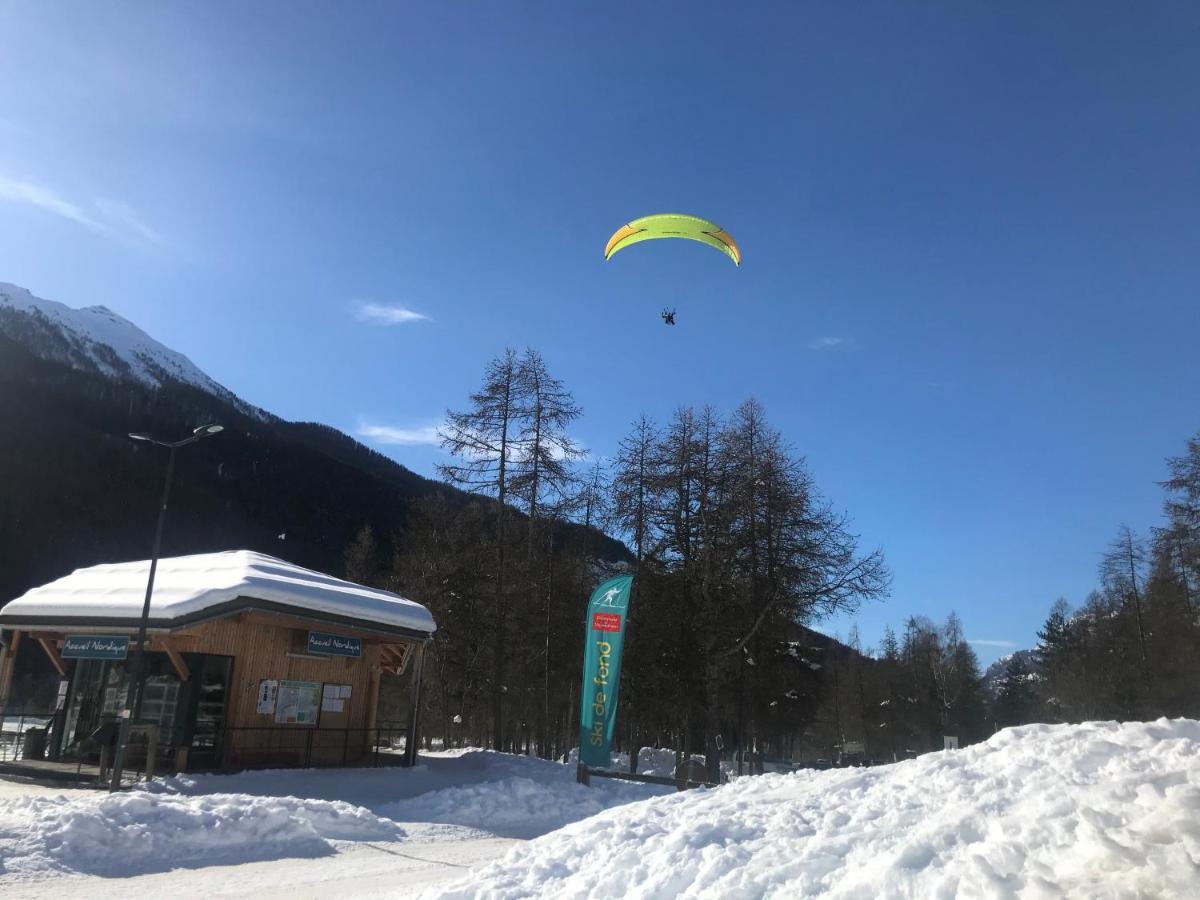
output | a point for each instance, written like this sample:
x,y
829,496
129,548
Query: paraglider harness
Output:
x,y
668,316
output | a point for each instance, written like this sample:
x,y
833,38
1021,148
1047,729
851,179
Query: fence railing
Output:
x,y
287,747
25,736
19,725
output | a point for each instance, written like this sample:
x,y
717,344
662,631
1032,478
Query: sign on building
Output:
x,y
323,644
267,690
95,646
951,743
853,747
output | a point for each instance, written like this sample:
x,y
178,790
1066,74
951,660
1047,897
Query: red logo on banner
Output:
x,y
606,621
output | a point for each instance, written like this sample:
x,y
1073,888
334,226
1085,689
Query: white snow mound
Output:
x,y
1094,810
515,806
139,831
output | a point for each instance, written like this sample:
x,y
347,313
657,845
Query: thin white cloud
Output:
x,y
109,218
389,315
35,195
984,642
417,435
832,343
125,215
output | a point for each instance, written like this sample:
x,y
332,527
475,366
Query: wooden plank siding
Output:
x,y
268,646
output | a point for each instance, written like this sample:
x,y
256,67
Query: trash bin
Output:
x,y
34,744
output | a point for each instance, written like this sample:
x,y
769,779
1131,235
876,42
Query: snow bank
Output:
x,y
517,806
190,821
1100,809
201,820
135,832
485,791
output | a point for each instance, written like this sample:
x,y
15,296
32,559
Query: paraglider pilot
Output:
x,y
668,316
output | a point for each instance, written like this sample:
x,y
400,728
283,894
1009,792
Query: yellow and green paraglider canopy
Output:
x,y
674,225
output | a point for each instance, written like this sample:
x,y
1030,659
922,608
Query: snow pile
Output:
x,y
139,831
1100,809
516,806
477,790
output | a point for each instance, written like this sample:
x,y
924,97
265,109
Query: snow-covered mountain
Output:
x,y
994,676
96,339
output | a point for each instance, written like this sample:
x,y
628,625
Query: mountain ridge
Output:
x,y
79,492
96,339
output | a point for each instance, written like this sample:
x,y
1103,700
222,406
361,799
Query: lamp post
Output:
x,y
128,717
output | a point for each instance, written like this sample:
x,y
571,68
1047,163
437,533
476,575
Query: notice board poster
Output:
x,y
268,689
334,697
297,702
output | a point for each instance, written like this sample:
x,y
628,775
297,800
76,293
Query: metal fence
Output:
x,y
303,748
25,737
19,726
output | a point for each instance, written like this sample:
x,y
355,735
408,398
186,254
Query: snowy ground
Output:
x,y
361,832
1097,810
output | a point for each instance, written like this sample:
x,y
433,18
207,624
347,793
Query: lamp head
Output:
x,y
141,436
205,430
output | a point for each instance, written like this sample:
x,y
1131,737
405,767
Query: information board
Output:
x,y
297,702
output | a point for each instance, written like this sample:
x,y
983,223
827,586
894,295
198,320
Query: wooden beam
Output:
x,y
372,706
6,668
52,652
181,668
397,656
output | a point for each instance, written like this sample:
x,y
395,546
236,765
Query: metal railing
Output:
x,y
25,735
16,727
298,747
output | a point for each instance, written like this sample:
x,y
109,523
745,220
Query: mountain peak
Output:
x,y
96,339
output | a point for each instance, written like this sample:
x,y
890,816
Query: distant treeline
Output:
x,y
1131,651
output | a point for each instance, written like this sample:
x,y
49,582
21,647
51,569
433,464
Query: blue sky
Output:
x,y
969,235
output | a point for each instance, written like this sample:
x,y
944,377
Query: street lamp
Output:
x,y
135,674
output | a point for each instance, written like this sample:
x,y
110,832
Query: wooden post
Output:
x,y
373,703
410,745
7,661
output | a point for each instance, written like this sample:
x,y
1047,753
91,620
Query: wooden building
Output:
x,y
251,662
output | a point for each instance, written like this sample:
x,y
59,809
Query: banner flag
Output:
x,y
607,611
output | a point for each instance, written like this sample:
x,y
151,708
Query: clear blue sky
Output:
x,y
970,236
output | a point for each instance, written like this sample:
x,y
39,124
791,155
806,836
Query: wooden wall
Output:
x,y
260,644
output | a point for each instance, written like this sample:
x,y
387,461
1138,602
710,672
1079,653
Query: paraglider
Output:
x,y
674,225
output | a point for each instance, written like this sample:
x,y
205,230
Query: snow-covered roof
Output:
x,y
188,587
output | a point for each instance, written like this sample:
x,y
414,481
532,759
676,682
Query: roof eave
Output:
x,y
218,611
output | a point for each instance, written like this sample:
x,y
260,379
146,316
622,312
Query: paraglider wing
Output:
x,y
673,225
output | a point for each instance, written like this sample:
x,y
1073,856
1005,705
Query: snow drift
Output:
x,y
135,832
1094,810
192,821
